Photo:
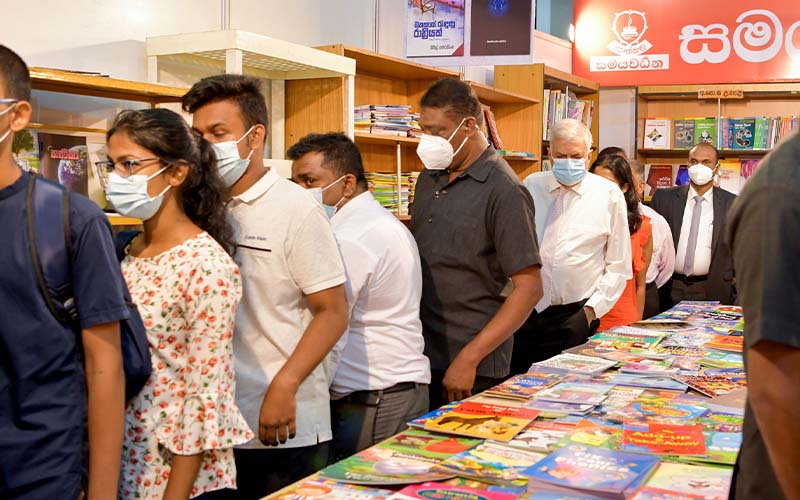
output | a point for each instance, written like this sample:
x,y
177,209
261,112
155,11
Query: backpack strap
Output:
x,y
50,244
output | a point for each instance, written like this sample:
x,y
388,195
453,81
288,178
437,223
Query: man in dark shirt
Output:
x,y
764,236
54,385
474,225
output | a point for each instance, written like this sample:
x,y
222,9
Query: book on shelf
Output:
x,y
657,133
657,177
384,188
683,134
559,104
483,420
390,120
491,124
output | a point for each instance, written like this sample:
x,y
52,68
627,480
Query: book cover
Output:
x,y
542,495
708,481
650,367
525,385
594,434
646,381
331,490
438,491
589,469
620,397
723,360
659,411
663,439
720,421
25,150
732,402
626,340
648,493
485,421
705,130
683,137
658,177
730,175
712,386
492,462
574,363
681,175
722,447
64,159
657,133
419,422
409,457
744,131
500,28
576,393
555,409
540,436
484,486
727,343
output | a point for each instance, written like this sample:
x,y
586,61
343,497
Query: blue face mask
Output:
x,y
569,171
129,195
230,165
330,210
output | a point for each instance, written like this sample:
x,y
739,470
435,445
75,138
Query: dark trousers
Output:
x,y
688,291
652,305
550,332
260,472
438,399
364,418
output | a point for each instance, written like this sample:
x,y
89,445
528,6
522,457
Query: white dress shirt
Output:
x,y
662,265
286,250
383,345
584,241
702,256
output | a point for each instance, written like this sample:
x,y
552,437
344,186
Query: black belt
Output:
x,y
563,308
689,279
363,396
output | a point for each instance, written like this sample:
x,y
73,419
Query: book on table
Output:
x,y
439,491
483,420
492,463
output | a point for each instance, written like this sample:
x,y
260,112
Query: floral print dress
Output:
x,y
187,297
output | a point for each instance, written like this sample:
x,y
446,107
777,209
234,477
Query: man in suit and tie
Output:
x,y
696,214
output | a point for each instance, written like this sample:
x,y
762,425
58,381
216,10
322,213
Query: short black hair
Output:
x,y
455,97
707,145
611,151
339,153
244,90
14,74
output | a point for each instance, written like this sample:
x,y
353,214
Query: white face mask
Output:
x,y
8,132
230,165
330,210
436,152
130,197
701,174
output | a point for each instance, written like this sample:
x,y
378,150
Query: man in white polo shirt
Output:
x,y
381,375
294,308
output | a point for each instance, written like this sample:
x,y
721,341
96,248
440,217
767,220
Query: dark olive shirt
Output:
x,y
473,234
764,236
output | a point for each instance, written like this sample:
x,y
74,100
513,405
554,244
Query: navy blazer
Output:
x,y
671,204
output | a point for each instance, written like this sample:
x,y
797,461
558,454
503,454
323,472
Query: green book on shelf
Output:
x,y
705,130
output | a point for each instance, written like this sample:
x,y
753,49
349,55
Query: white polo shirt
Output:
x,y
286,250
383,345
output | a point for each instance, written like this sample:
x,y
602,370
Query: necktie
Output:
x,y
691,243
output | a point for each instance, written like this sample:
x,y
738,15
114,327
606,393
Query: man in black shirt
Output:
x,y
474,225
764,236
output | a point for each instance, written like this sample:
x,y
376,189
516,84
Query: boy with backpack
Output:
x,y
56,387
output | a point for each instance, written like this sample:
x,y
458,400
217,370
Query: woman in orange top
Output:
x,y
630,306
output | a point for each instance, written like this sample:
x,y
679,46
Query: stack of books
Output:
x,y
558,104
395,120
384,188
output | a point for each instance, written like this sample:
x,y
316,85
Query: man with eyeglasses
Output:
x,y
58,382
696,214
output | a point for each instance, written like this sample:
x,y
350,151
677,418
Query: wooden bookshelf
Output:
x,y
531,80
681,101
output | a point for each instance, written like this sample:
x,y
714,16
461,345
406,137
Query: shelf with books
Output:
x,y
386,140
684,153
543,84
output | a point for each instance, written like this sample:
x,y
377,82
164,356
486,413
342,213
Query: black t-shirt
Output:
x,y
473,234
764,235
42,383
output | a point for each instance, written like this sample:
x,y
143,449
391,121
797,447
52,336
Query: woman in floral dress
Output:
x,y
181,429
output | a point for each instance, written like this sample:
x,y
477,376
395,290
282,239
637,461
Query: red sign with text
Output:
x,y
653,42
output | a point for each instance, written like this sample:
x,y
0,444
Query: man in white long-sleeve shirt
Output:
x,y
662,264
379,373
582,226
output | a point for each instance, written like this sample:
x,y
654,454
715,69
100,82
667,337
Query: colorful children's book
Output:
x,y
555,409
492,462
438,491
524,386
482,420
721,448
675,350
712,386
594,434
586,470
663,439
626,340
620,397
573,363
717,421
541,495
484,486
718,359
420,421
541,436
647,381
648,493
576,393
331,490
650,367
659,412
710,482
727,343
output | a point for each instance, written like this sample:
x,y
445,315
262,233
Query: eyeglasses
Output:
x,y
123,168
